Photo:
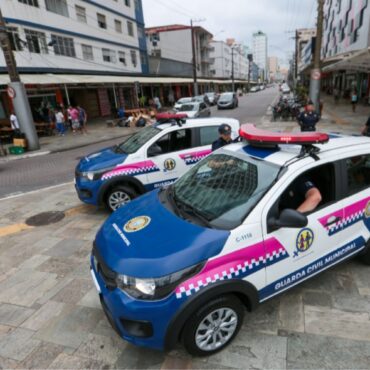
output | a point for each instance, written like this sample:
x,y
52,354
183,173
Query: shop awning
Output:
x,y
352,62
64,79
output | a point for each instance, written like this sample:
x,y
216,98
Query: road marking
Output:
x,y
13,229
20,194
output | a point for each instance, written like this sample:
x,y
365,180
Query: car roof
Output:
x,y
281,154
201,122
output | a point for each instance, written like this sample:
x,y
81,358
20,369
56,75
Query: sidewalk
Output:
x,y
97,132
335,118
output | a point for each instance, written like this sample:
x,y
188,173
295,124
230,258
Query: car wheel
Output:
x,y
213,326
364,257
119,196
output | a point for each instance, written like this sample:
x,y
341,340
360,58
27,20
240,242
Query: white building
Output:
x,y
170,50
77,42
223,55
260,53
76,35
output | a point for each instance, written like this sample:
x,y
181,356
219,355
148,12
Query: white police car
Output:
x,y
184,262
155,156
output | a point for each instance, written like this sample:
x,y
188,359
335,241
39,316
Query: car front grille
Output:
x,y
107,274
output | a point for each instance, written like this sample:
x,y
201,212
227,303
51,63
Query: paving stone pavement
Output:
x,y
50,315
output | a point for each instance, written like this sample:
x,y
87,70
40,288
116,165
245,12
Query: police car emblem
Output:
x,y
137,224
304,241
367,210
169,164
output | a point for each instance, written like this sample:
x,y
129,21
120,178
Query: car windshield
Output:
x,y
135,142
210,95
188,107
184,100
222,189
228,96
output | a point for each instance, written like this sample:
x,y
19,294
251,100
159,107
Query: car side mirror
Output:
x,y
289,218
154,150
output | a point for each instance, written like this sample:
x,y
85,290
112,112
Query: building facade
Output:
x,y
346,43
170,50
75,37
273,64
260,53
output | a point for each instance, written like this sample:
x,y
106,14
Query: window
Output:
x,y
36,41
136,141
109,55
358,173
118,25
14,38
127,3
63,46
141,33
30,2
130,28
81,14
102,22
208,135
133,58
57,6
87,52
172,142
122,57
143,58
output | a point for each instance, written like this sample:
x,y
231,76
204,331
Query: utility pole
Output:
x,y
232,69
195,82
20,100
315,79
250,61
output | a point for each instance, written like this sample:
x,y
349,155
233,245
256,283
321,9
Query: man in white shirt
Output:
x,y
60,122
15,124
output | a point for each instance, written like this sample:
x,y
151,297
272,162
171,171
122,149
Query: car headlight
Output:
x,y
95,175
157,288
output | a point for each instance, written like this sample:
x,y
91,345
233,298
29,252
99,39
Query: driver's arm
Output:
x,y
313,198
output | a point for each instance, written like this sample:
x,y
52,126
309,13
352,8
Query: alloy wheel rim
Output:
x,y
117,199
216,329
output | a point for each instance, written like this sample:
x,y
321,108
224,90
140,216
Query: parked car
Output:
x,y
182,264
182,101
227,100
285,89
195,110
212,98
254,89
154,156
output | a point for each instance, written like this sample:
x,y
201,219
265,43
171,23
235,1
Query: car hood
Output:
x,y
165,245
102,159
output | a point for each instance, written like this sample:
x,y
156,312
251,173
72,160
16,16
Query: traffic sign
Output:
x,y
11,92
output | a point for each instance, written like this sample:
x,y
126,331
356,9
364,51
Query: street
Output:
x,y
57,168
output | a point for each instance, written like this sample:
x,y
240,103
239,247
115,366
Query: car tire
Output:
x,y
364,257
227,310
118,196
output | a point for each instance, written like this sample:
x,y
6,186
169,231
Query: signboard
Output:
x,y
11,92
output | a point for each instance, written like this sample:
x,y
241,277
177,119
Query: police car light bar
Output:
x,y
171,116
257,136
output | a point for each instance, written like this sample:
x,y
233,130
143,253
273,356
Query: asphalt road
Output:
x,y
30,174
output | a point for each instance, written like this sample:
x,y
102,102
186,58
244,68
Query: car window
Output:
x,y
188,107
181,139
202,106
358,173
208,135
136,141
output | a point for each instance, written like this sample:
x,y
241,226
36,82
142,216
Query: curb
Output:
x,y
60,150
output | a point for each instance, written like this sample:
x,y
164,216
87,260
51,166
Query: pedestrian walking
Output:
x,y
336,95
354,99
82,120
308,119
75,120
60,121
14,124
157,103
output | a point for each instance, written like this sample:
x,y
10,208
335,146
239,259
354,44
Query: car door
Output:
x,y
310,249
203,110
166,154
355,226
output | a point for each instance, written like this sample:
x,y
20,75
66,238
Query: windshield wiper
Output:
x,y
195,212
118,149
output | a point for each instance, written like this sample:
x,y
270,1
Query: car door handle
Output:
x,y
336,219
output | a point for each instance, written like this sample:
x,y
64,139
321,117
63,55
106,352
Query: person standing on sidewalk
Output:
x,y
14,124
75,120
308,119
82,119
366,129
59,117
354,99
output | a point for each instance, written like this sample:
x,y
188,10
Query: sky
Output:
x,y
239,19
